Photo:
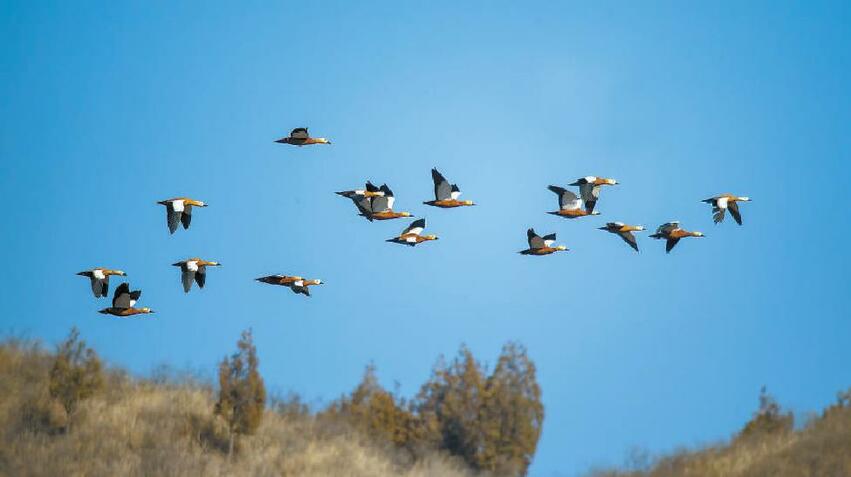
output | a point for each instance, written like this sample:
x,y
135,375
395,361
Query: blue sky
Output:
x,y
109,107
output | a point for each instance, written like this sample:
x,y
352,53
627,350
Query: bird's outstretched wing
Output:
x,y
535,241
442,188
629,238
299,133
415,228
734,211
172,217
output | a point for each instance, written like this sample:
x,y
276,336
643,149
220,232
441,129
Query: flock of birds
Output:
x,y
376,203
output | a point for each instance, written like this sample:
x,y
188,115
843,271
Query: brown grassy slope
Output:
x,y
820,448
135,427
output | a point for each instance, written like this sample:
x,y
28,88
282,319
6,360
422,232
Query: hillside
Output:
x,y
63,413
770,444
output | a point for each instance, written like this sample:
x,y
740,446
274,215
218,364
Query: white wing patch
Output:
x,y
177,205
548,243
455,195
192,266
298,283
132,302
98,274
576,204
390,201
410,239
722,202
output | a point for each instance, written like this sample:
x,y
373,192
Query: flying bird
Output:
x,y
194,269
123,302
672,233
412,235
541,245
300,137
283,280
100,279
570,206
625,232
179,210
722,203
589,189
446,194
370,190
375,204
297,284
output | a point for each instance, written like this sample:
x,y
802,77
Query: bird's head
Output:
x,y
146,310
610,182
744,199
595,212
468,202
404,214
196,203
561,248
119,273
697,234
430,237
639,228
211,264
322,140
314,282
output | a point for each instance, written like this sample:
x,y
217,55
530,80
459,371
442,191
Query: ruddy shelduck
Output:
x,y
412,235
446,194
100,279
570,206
297,284
672,233
625,232
541,245
300,137
369,190
123,302
179,210
589,189
378,205
194,269
722,203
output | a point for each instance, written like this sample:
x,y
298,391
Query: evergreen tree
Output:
x,y
494,422
242,395
76,373
378,413
769,419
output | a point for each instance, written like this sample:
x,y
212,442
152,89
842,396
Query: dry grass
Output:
x,y
167,427
821,448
